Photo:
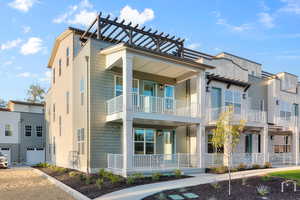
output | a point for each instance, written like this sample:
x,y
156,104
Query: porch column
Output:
x,y
127,113
200,145
295,144
265,143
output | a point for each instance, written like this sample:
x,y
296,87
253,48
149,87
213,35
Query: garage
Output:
x,y
6,152
35,156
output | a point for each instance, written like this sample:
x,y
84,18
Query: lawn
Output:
x,y
290,174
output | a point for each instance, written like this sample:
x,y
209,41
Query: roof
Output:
x,y
26,103
239,57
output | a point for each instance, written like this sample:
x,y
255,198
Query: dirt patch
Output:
x,y
90,188
25,184
241,190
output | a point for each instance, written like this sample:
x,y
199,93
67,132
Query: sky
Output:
x,y
265,31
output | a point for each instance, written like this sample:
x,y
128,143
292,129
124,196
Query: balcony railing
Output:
x,y
152,104
155,161
217,159
249,115
288,122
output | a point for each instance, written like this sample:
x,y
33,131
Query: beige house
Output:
x,y
131,100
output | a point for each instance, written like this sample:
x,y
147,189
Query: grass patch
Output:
x,y
290,174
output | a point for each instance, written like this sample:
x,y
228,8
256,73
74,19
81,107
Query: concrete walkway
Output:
x,y
142,191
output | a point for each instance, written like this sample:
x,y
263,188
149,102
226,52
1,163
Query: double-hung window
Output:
x,y
144,141
8,130
119,86
68,56
233,98
39,131
28,129
285,110
80,141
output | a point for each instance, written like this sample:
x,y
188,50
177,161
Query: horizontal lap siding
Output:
x,y
105,137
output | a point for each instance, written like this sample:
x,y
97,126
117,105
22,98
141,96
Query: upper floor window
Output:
x,y
39,131
53,112
233,98
59,67
53,75
81,92
28,129
67,102
8,130
60,125
54,145
119,86
285,110
80,141
67,56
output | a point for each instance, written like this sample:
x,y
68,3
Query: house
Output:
x,y
129,99
22,132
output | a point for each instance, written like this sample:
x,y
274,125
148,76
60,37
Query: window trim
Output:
x,y
145,141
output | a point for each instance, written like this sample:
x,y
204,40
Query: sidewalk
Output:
x,y
139,192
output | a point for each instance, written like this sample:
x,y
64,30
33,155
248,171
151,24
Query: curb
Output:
x,y
74,193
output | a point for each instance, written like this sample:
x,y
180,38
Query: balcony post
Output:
x,y
265,143
295,144
127,113
200,145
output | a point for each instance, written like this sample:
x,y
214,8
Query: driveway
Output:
x,y
25,184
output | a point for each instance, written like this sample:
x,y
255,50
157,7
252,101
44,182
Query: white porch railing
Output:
x,y
217,159
155,161
249,115
288,122
281,158
151,104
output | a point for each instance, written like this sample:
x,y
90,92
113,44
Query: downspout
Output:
x,y
87,116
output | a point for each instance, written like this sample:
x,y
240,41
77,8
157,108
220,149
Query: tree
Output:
x,y
227,135
35,93
2,103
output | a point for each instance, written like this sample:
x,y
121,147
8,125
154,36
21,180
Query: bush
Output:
x,y
268,165
43,165
99,183
177,173
215,185
88,180
241,167
265,178
115,179
221,170
82,177
263,190
130,180
256,166
59,169
73,174
108,175
102,173
156,176
138,175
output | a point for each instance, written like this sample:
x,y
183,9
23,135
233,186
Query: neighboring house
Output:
x,y
22,132
132,100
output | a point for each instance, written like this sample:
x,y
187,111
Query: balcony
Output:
x,y
287,122
152,107
249,115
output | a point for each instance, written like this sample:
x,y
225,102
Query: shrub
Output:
x,y
99,183
138,175
59,169
156,176
88,180
263,190
82,177
108,175
130,180
241,167
256,166
221,169
268,165
43,165
115,179
177,173
102,173
234,170
215,185
265,178
73,173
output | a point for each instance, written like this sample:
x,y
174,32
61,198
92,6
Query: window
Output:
x,y
68,56
144,141
67,102
59,67
8,130
80,141
60,124
39,131
54,146
210,146
119,86
285,110
53,75
259,144
53,112
28,129
169,97
81,92
233,98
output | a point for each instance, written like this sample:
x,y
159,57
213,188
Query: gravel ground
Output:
x,y
25,184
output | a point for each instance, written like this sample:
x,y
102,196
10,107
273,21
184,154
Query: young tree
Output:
x,y
227,135
35,93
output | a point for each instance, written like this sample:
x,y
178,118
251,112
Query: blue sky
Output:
x,y
266,31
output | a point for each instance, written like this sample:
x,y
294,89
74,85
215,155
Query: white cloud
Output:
x,y
32,46
80,14
27,75
194,46
9,62
10,44
26,29
234,28
46,77
22,5
18,68
133,15
266,19
264,6
291,6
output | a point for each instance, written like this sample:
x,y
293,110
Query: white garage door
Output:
x,y
6,152
35,156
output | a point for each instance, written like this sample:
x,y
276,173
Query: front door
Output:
x,y
169,98
169,144
149,93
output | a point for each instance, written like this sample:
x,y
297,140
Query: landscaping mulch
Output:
x,y
91,190
240,191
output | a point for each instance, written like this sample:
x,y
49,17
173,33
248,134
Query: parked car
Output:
x,y
3,161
